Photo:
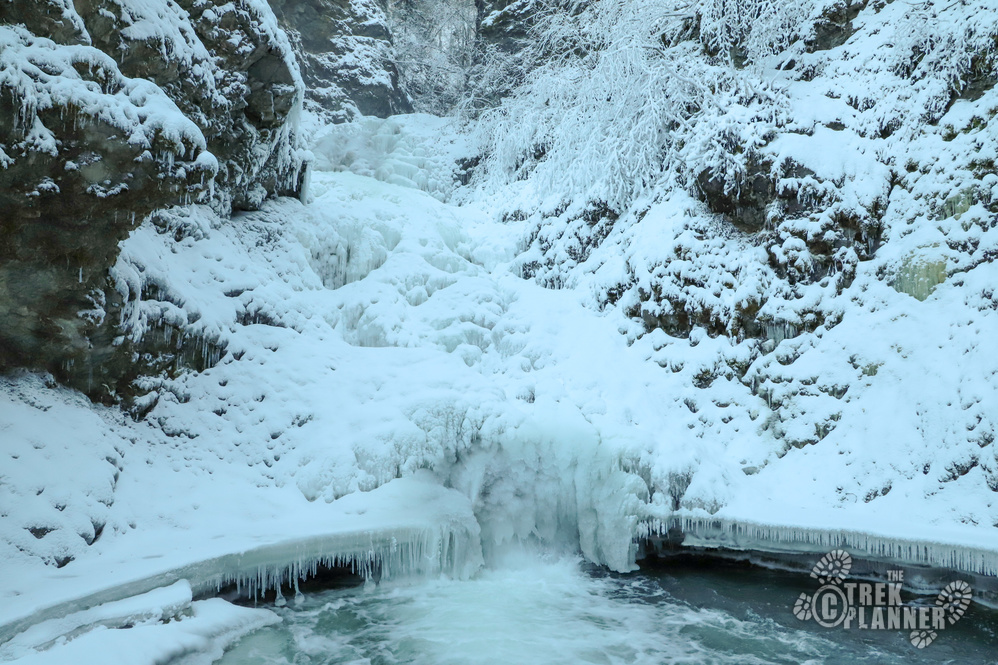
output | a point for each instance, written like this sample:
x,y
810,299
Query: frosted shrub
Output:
x,y
623,98
755,29
941,49
494,75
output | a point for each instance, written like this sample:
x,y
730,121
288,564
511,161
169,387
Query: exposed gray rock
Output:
x,y
835,25
229,69
744,202
756,194
505,24
56,19
345,50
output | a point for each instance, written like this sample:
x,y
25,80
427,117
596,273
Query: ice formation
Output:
x,y
711,533
406,527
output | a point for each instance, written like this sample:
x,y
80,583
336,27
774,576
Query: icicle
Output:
x,y
712,532
389,555
299,596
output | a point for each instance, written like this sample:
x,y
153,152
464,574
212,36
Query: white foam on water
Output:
x,y
527,609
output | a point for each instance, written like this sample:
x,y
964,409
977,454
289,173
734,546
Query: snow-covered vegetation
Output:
x,y
758,185
434,43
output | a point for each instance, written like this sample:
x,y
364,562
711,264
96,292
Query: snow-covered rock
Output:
x,y
110,110
347,59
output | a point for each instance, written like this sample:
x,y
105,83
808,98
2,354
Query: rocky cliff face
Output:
x,y
505,23
345,49
110,110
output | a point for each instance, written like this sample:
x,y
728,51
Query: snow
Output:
x,y
408,526
47,76
412,354
162,604
377,332
54,519
411,375
200,638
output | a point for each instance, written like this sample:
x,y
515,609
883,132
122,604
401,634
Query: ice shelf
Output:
x,y
953,551
408,526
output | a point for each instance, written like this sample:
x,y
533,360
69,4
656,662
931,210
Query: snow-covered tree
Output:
x,y
625,92
433,46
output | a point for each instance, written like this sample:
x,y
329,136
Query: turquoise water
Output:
x,y
536,610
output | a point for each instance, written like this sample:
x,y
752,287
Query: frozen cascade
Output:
x,y
415,151
349,254
718,533
570,498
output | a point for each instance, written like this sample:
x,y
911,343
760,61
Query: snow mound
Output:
x,y
52,516
162,604
199,636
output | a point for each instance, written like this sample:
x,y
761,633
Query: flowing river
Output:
x,y
533,610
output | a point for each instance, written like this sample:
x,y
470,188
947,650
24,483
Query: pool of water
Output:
x,y
531,609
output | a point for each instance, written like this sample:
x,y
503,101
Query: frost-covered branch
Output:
x,y
618,101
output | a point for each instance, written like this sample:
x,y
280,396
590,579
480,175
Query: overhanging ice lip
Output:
x,y
964,550
409,525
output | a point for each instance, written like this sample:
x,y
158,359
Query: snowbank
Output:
x,y
408,526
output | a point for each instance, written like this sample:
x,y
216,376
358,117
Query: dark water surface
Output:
x,y
532,610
